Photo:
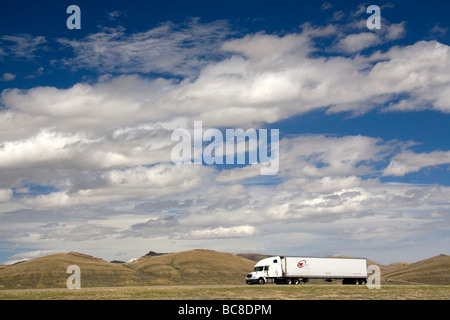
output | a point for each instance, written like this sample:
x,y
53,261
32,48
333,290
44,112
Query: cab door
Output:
x,y
266,271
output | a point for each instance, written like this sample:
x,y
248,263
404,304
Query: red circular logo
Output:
x,y
301,263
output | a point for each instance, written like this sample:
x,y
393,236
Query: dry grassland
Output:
x,y
239,292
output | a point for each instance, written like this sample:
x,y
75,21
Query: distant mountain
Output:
x,y
254,256
154,254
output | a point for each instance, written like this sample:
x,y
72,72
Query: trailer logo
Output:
x,y
301,263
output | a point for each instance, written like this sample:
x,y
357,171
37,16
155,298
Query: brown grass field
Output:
x,y
236,292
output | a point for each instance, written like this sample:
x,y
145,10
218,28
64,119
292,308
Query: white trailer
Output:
x,y
293,270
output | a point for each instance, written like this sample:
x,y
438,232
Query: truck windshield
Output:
x,y
259,269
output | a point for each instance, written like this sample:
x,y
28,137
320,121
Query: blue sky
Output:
x,y
86,118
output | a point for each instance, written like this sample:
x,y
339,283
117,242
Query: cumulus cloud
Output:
x,y
358,42
322,156
279,79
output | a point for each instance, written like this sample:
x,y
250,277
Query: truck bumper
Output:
x,y
251,281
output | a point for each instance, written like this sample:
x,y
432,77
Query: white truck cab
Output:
x,y
265,271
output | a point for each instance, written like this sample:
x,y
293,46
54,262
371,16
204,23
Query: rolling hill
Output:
x,y
50,272
196,267
192,267
435,270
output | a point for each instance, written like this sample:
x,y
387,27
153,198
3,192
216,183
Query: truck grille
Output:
x,y
249,275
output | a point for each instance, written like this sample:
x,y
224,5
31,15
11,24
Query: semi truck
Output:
x,y
295,270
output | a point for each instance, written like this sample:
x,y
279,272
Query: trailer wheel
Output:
x,y
261,281
362,281
347,281
296,281
288,281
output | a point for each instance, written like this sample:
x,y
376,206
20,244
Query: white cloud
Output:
x,y
114,15
407,162
8,77
358,42
22,46
439,30
29,152
154,182
221,232
168,48
28,256
361,40
395,31
82,232
326,6
5,195
360,9
238,175
321,156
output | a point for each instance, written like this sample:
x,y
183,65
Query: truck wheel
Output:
x,y
296,281
288,281
362,281
261,281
